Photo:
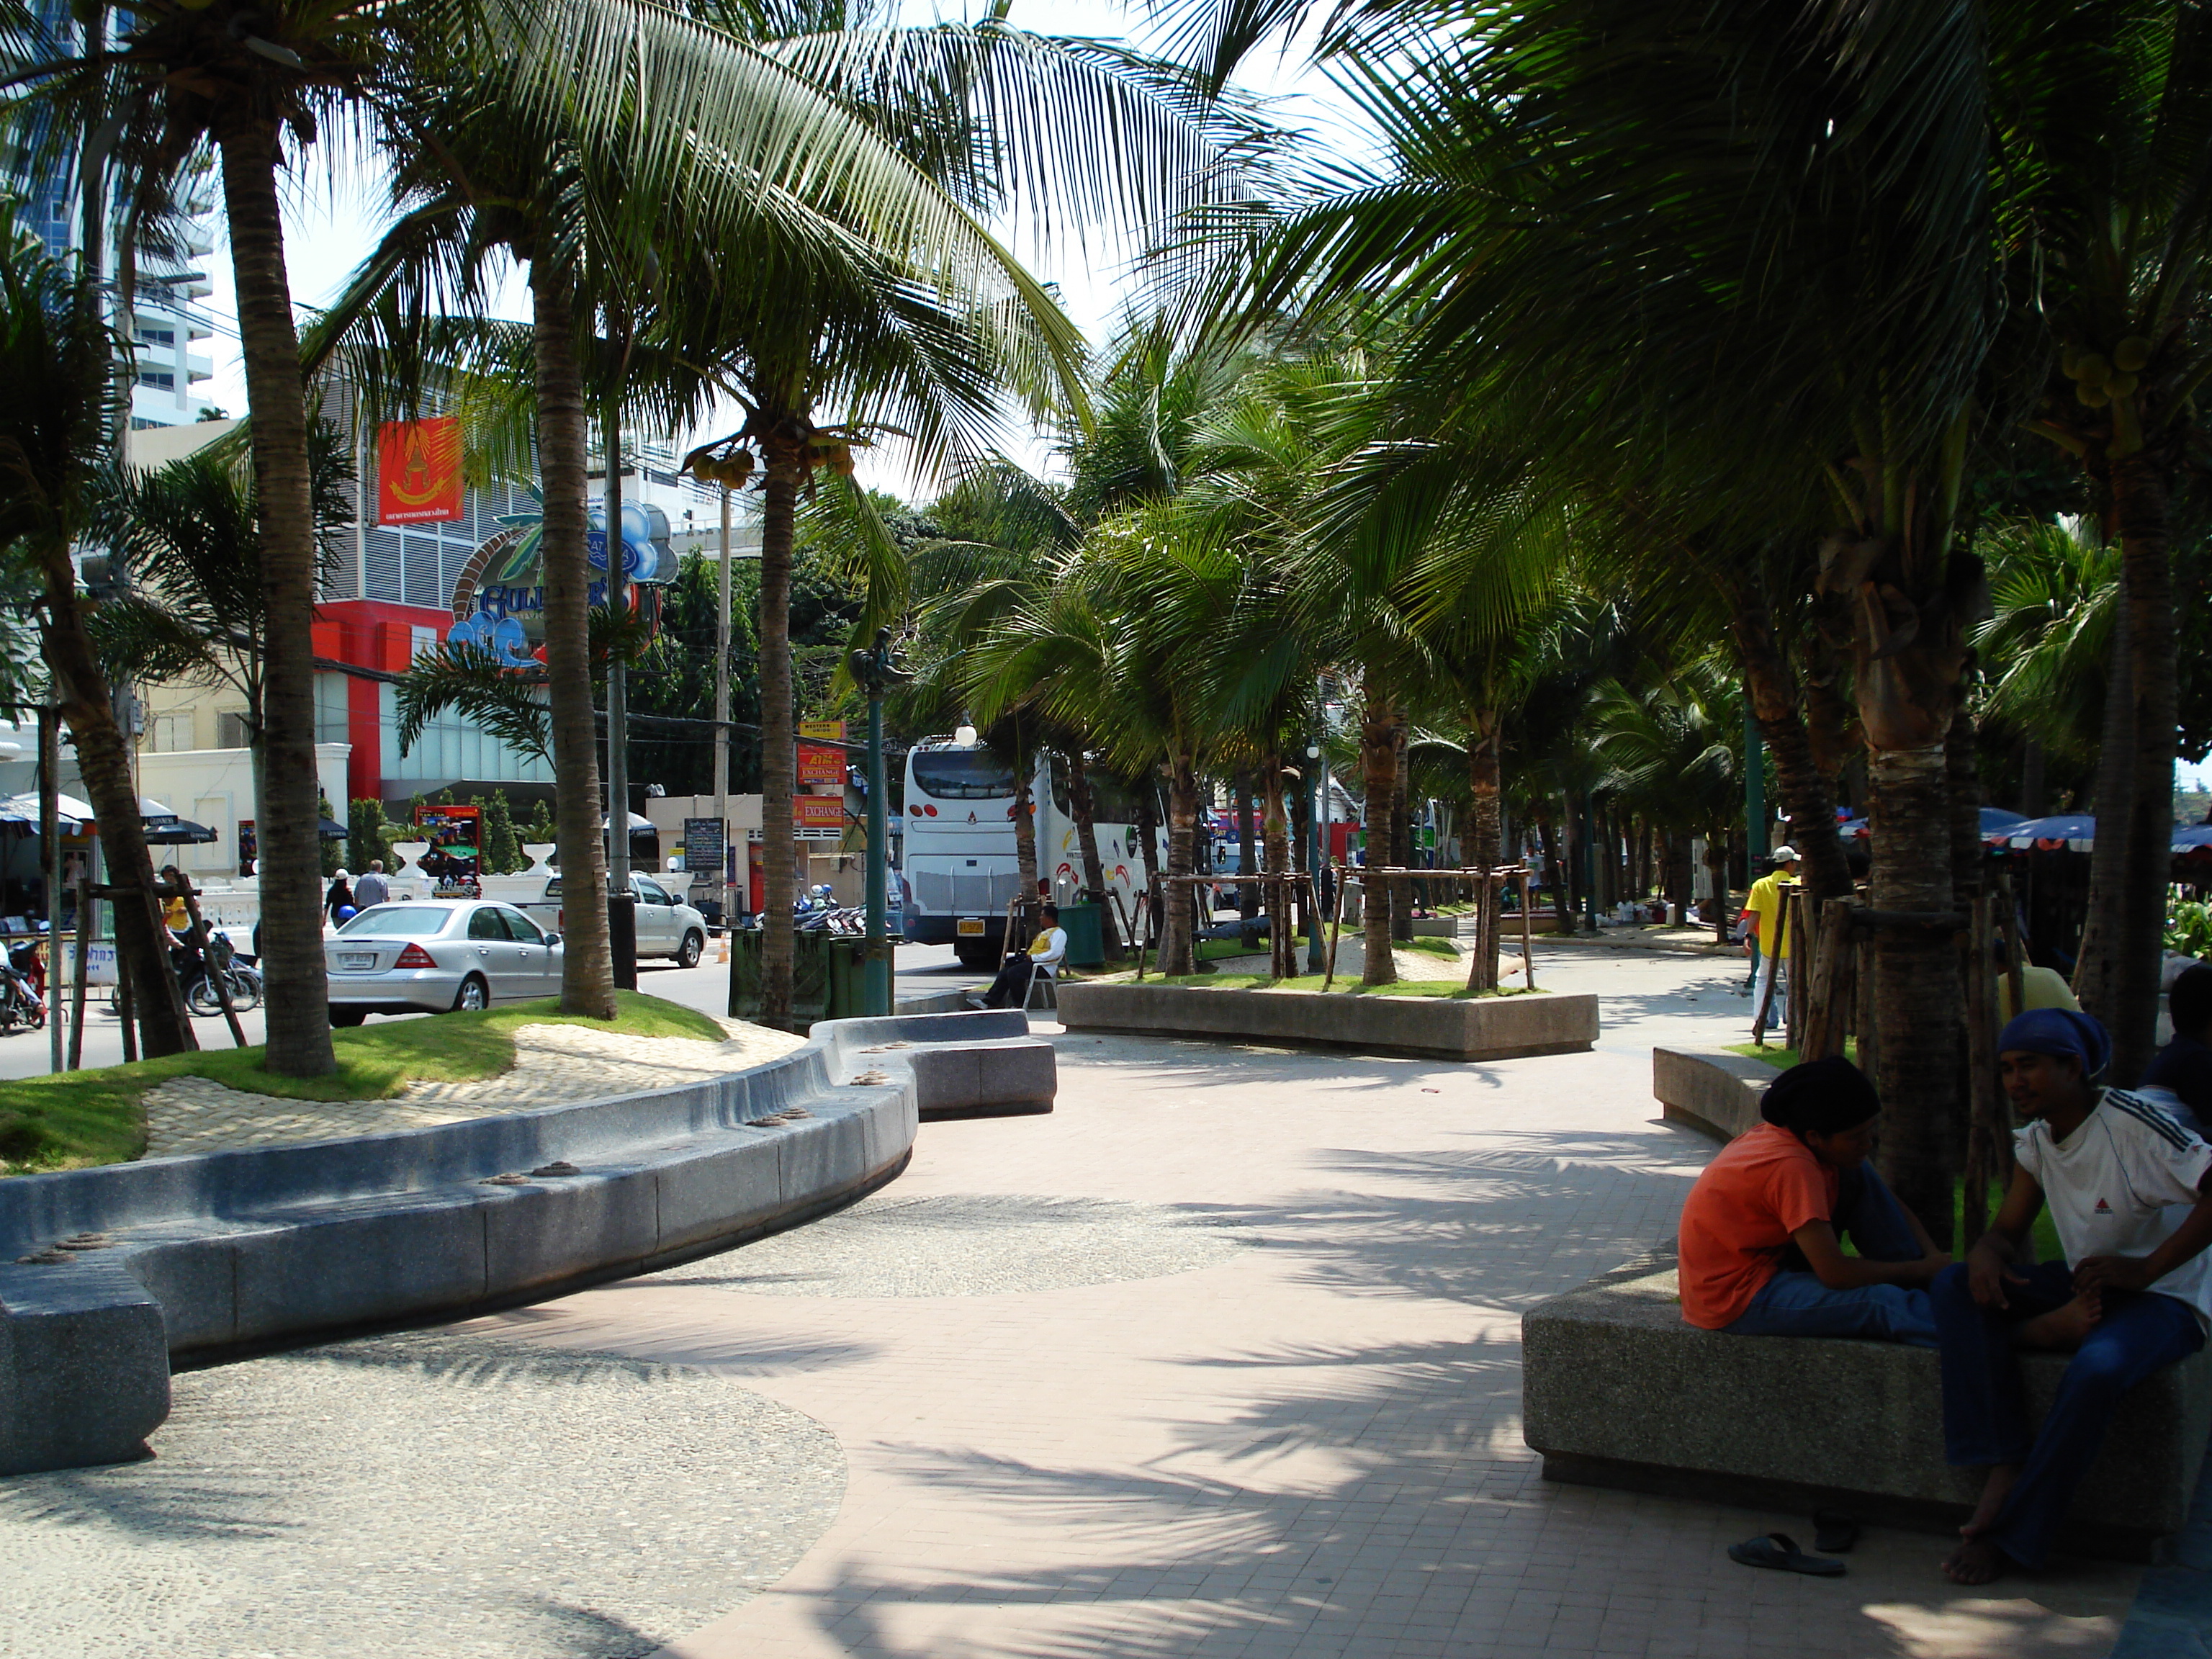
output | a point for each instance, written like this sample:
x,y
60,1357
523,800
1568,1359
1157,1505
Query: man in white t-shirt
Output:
x,y
2133,1293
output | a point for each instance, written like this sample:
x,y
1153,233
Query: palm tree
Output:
x,y
189,536
55,355
2105,121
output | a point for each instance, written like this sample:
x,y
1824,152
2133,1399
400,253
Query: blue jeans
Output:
x,y
1795,1302
1985,1421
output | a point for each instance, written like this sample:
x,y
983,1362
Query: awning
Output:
x,y
2063,832
332,830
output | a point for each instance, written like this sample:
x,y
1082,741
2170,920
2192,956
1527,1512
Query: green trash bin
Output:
x,y
1086,934
817,976
848,960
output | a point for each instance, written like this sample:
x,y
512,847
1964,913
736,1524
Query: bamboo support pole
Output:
x,y
1335,926
217,973
77,995
1528,939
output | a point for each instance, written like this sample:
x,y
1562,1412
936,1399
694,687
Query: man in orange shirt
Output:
x,y
1760,1255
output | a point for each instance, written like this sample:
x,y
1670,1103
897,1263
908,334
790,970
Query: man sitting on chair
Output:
x,y
1012,987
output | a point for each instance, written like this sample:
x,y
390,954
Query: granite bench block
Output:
x,y
360,1260
1617,1390
557,1227
731,1189
84,1372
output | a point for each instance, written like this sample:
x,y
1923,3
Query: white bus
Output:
x,y
962,869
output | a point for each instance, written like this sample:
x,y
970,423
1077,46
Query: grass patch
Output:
x,y
1432,947
1220,950
77,1119
1404,987
1783,1059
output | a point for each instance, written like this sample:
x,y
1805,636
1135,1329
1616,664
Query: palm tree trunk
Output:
x,y
1485,843
1808,795
104,761
1083,807
2096,967
587,978
2141,499
1275,829
1918,998
1025,845
1177,946
1407,896
290,854
1378,756
782,452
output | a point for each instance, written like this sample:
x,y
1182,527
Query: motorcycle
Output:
x,y
23,987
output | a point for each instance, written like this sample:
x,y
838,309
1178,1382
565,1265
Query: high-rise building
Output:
x,y
166,318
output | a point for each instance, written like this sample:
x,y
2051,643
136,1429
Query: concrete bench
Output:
x,y
222,1253
1618,1391
980,1063
1716,1094
1485,1028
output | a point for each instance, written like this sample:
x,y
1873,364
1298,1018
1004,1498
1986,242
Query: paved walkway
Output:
x,y
1220,1359
553,1065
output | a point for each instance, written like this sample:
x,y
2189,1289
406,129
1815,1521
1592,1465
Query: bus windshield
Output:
x,y
962,774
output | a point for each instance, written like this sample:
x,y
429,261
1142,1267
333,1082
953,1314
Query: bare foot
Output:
x,y
2063,1328
1976,1561
1995,1491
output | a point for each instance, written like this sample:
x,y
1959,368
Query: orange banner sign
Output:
x,y
820,765
418,471
817,812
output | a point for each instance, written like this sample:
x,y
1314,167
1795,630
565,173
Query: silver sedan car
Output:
x,y
420,955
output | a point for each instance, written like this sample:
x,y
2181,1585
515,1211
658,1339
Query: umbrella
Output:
x,y
2193,840
332,830
2073,831
24,809
177,832
637,825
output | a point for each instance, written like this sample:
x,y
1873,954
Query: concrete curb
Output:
x,y
207,1256
1491,1027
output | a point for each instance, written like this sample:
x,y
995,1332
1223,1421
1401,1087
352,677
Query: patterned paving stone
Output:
x,y
435,1494
893,1244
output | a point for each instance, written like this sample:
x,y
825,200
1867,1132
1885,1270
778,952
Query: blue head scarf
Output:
x,y
2064,1032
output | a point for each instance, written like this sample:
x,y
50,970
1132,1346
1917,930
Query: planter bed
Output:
x,y
1444,1027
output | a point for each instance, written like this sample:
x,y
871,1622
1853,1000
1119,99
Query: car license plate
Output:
x,y
971,924
356,959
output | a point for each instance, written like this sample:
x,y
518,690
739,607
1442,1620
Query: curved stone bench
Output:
x,y
219,1254
1618,1391
1444,1028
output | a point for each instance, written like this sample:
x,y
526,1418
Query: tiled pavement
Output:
x,y
1309,1446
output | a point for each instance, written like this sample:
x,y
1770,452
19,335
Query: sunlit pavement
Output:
x,y
1219,1358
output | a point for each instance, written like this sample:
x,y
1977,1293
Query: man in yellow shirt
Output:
x,y
1767,902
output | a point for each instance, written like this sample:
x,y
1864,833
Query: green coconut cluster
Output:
x,y
2098,379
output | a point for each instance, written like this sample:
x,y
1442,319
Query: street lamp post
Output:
x,y
1316,838
877,673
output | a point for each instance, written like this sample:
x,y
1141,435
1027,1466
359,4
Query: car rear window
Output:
x,y
397,922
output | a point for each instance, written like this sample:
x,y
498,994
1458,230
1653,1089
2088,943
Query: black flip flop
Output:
x,y
1837,1531
1779,1551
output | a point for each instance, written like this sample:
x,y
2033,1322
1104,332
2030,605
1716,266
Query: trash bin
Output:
x,y
1086,934
825,976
